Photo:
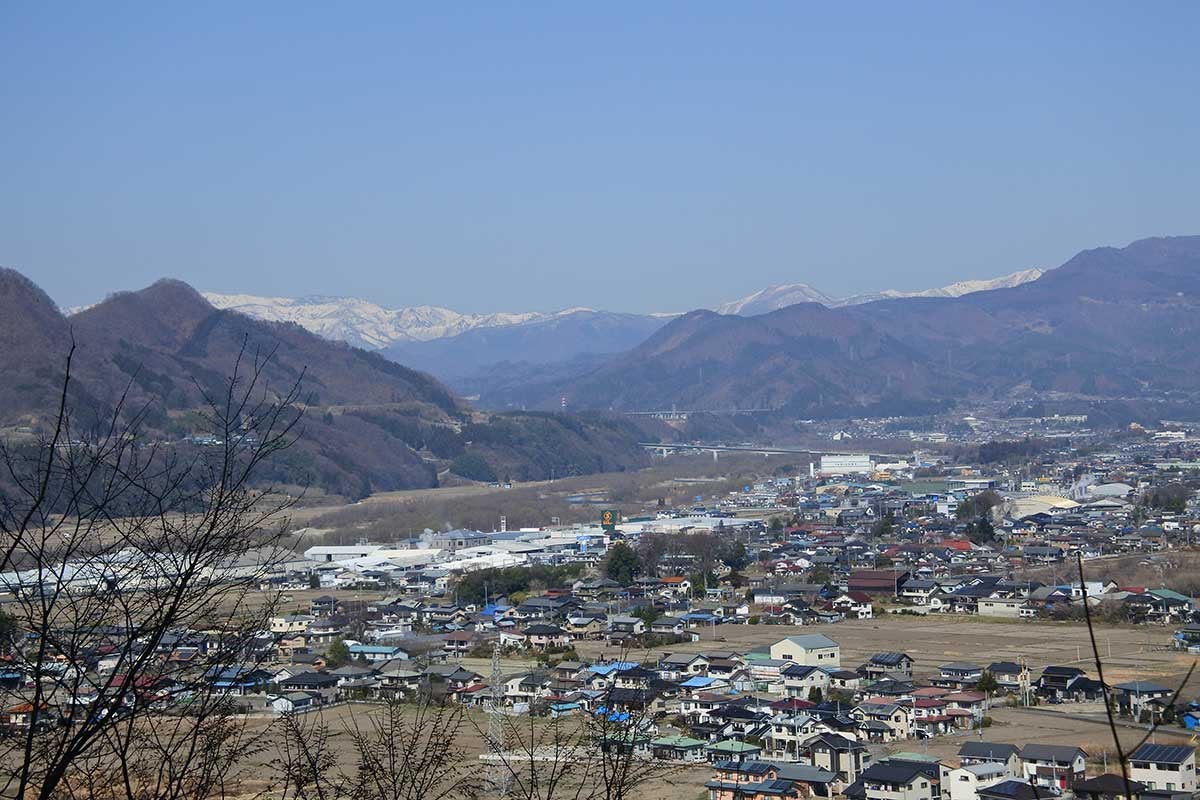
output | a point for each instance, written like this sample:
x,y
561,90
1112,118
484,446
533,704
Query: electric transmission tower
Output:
x,y
501,779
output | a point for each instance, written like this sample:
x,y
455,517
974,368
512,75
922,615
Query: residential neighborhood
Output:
x,y
717,631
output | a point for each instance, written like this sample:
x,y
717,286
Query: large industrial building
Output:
x,y
846,465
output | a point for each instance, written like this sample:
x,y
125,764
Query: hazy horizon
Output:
x,y
633,159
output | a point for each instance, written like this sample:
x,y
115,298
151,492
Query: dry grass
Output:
x,y
1136,653
395,515
1021,726
260,774
1174,569
1129,652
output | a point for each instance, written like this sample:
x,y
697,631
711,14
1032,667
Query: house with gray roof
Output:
x,y
1053,765
895,665
814,650
980,752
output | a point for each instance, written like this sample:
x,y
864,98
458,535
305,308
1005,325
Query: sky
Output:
x,y
629,156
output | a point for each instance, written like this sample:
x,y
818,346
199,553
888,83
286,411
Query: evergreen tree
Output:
x,y
337,653
987,683
622,564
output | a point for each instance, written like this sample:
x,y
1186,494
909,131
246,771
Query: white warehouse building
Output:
x,y
846,465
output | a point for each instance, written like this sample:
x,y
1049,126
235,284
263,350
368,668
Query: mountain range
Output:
x,y
774,298
1109,322
366,324
469,349
371,424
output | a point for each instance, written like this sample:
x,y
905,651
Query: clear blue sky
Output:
x,y
635,156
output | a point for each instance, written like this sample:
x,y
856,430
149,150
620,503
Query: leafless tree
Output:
x,y
598,754
135,566
1123,752
402,751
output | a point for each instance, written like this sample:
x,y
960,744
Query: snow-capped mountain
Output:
x,y
774,298
369,325
449,344
957,289
366,324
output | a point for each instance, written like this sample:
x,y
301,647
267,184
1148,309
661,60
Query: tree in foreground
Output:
x,y
600,753
135,567
399,752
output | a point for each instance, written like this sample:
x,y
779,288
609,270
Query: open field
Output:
x,y
302,515
1178,569
393,516
1129,652
1011,725
1043,726
260,776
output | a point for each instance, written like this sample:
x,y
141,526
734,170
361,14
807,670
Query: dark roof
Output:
x,y
632,697
991,750
1065,671
920,584
794,670
1162,753
309,679
733,712
1051,752
1139,687
746,767
977,590
894,772
960,666
835,742
1108,784
804,773
889,687
889,659
931,769
1004,668
636,672
1017,790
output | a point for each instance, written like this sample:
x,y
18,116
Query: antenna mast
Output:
x,y
501,779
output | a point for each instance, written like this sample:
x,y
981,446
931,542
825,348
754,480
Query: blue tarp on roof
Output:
x,y
615,666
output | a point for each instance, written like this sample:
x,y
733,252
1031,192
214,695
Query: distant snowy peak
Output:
x,y
774,298
369,325
957,289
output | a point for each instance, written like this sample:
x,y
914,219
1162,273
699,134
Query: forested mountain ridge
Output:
x,y
371,424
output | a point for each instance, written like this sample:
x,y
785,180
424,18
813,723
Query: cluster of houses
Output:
x,y
836,767
982,594
785,720
791,704
848,549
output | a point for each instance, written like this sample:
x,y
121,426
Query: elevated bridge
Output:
x,y
666,448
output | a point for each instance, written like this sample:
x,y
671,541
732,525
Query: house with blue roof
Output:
x,y
698,619
239,680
